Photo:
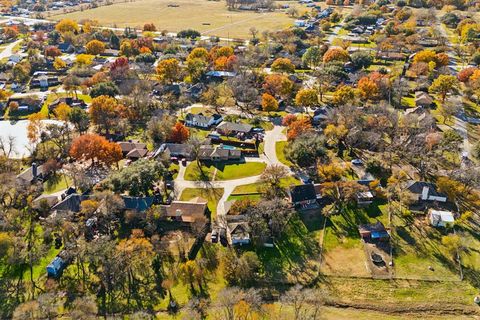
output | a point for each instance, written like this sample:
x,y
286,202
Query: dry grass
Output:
x,y
189,15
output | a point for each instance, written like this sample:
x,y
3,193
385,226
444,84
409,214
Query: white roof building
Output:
x,y
440,218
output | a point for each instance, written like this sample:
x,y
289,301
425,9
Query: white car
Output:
x,y
357,162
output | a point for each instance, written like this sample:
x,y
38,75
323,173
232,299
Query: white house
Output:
x,y
299,23
440,218
201,121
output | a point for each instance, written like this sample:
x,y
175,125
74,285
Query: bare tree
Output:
x,y
7,145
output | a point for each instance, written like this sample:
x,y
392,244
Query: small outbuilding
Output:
x,y
440,218
55,268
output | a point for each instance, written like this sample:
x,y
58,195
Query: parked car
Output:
x,y
214,236
184,162
357,162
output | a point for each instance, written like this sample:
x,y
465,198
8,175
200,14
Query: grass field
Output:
x,y
222,171
211,18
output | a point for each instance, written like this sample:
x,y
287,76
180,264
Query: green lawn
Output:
x,y
255,187
409,102
57,183
343,249
223,171
212,195
279,148
296,249
417,247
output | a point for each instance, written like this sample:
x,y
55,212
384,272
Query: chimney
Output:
x,y
34,170
425,193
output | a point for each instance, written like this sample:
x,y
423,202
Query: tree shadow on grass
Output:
x,y
291,251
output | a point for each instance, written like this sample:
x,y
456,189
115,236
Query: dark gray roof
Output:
x,y
303,192
138,203
178,148
416,187
71,203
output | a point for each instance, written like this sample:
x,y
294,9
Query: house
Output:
x,y
201,121
373,232
365,198
43,80
304,197
299,23
233,128
219,75
136,154
195,91
320,115
167,89
70,101
66,47
45,199
423,99
111,53
26,102
71,203
425,191
440,218
33,174
139,204
390,56
219,153
195,210
135,149
238,233
175,150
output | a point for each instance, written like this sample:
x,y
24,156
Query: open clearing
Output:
x,y
208,17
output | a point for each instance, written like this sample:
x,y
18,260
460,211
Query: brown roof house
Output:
x,y
218,153
187,211
133,150
423,99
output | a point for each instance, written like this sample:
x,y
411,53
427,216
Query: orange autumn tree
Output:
x,y
367,89
97,149
269,103
104,112
336,54
288,119
278,85
179,133
298,127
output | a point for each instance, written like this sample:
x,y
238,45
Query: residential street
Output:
x,y
8,51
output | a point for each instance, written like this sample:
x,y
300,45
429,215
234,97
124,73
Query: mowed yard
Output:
x,y
223,171
211,18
